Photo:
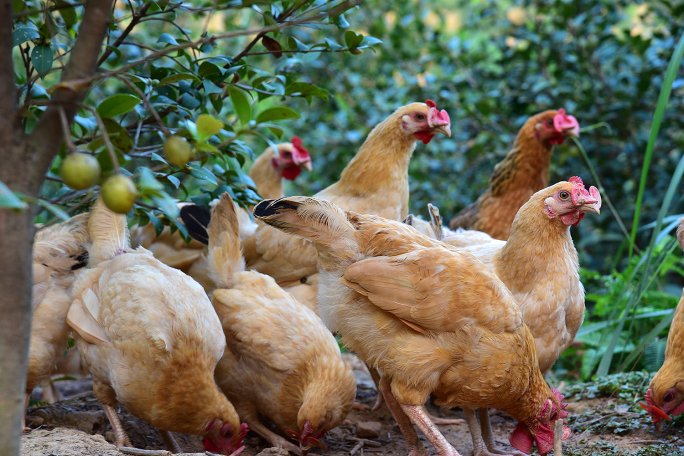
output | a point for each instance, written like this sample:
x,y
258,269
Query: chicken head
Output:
x,y
291,158
540,430
661,402
424,121
570,200
309,436
555,126
220,438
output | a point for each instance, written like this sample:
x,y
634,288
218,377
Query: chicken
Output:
x,y
665,395
150,339
539,264
281,361
430,318
432,229
268,172
523,172
58,252
374,182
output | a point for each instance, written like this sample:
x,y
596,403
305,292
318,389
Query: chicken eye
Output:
x,y
564,195
549,122
420,116
287,154
668,397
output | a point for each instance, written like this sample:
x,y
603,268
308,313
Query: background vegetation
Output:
x,y
207,72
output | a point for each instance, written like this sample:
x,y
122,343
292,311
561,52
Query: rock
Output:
x,y
368,429
86,421
274,451
65,442
34,421
109,435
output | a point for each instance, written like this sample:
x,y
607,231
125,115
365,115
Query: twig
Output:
x,y
105,137
136,18
206,22
138,452
357,447
371,443
599,419
147,102
67,132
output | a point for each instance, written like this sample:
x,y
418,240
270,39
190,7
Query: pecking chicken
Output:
x,y
280,361
523,172
374,182
58,252
151,340
268,172
665,395
432,319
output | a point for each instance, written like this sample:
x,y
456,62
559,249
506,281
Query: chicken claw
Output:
x,y
427,427
416,447
122,439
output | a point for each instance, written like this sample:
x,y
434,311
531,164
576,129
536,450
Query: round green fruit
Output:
x,y
119,193
356,51
80,171
177,150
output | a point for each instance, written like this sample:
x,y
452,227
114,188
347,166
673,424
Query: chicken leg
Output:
x,y
488,436
122,439
273,439
416,447
27,399
427,427
170,442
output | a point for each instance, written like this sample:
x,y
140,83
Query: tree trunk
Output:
x,y
24,160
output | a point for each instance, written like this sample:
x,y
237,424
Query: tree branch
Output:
x,y
136,18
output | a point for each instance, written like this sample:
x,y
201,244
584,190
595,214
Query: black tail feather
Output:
x,y
196,219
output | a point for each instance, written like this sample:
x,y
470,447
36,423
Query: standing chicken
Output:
x,y
523,172
58,252
281,361
665,393
430,318
151,340
539,264
374,182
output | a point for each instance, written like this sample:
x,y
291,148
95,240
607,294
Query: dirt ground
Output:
x,y
602,426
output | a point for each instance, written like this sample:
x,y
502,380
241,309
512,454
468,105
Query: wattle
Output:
x,y
291,172
425,136
521,439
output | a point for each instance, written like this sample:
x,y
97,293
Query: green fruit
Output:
x,y
119,193
80,171
356,51
177,150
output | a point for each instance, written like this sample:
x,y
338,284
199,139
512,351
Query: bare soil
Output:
x,y
77,426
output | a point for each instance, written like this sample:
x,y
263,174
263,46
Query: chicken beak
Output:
x,y
592,207
444,129
571,132
306,165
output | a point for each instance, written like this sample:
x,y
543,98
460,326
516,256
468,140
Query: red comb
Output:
x,y
431,104
301,153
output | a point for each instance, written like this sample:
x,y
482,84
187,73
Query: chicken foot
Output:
x,y
170,442
416,447
480,445
122,439
488,436
427,427
274,439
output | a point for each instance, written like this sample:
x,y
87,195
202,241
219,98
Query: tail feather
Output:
x,y
225,258
108,233
196,219
314,219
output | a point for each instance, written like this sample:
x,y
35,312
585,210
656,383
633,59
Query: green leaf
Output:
x,y
241,104
352,39
23,34
174,180
156,223
167,205
67,12
117,104
369,41
277,113
148,184
210,87
340,21
56,210
204,174
665,90
178,77
9,200
41,58
166,38
207,126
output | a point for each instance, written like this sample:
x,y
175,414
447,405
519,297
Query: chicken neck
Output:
x,y
381,165
525,166
268,179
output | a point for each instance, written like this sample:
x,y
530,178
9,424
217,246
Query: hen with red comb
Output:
x,y
523,172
